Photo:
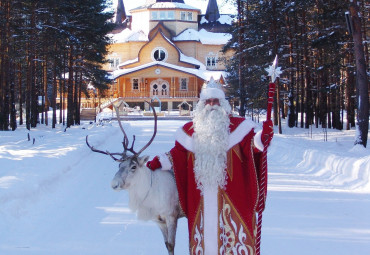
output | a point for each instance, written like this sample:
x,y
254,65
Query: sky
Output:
x,y
225,6
56,199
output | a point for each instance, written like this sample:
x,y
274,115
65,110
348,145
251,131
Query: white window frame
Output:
x,y
190,16
162,15
211,60
154,15
159,91
133,84
159,49
186,83
170,15
114,61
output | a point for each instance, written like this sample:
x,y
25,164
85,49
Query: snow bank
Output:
x,y
55,195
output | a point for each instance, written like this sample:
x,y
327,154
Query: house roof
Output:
x,y
128,35
203,36
202,74
161,1
166,5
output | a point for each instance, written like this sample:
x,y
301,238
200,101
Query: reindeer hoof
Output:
x,y
169,246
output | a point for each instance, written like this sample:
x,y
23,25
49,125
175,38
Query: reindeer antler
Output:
x,y
103,152
155,130
125,139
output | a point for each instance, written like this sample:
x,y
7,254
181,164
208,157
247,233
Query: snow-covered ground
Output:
x,y
55,195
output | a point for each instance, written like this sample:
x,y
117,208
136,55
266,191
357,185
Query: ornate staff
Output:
x,y
273,72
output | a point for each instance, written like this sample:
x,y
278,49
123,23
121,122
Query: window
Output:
x,y
183,16
164,89
171,15
163,15
190,16
135,84
184,83
155,89
159,54
114,62
186,16
159,88
211,62
154,15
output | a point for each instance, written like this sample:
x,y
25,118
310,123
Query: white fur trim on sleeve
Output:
x,y
184,139
240,132
258,141
235,137
165,162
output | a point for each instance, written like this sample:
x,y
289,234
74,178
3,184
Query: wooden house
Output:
x,y
168,50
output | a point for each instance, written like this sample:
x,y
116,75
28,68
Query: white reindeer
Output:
x,y
152,195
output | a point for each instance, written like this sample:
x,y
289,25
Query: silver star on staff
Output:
x,y
273,70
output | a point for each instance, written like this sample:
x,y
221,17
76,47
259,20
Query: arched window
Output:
x,y
159,88
155,89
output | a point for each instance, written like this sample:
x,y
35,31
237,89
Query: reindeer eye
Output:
x,y
133,167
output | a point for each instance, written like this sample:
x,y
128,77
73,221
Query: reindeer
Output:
x,y
152,195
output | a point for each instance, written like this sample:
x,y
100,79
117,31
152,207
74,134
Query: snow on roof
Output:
x,y
166,5
191,60
127,35
203,36
203,74
224,19
129,62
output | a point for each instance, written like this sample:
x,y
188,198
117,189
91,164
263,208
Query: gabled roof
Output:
x,y
166,5
127,35
182,58
202,74
153,32
162,1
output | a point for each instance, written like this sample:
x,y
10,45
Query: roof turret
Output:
x,y
212,13
121,13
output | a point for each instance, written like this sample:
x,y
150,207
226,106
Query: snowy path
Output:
x,y
318,200
55,195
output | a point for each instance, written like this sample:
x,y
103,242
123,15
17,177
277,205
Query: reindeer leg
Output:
x,y
163,227
171,226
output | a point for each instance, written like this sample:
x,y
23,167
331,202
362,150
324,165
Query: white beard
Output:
x,y
211,139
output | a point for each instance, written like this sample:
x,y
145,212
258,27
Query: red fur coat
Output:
x,y
236,203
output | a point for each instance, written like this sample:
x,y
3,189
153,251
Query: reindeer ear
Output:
x,y
143,160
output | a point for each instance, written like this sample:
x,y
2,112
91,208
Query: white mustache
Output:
x,y
211,107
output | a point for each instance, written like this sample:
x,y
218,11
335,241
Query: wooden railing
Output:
x,y
176,94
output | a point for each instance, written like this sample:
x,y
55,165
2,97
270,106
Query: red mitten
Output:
x,y
154,164
267,132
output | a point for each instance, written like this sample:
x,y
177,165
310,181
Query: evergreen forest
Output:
x,y
48,43
322,47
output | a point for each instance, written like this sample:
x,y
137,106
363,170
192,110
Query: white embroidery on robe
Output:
x,y
198,237
233,241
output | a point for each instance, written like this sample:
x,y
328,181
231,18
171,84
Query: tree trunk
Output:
x,y
54,98
242,104
361,78
350,92
20,95
70,110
